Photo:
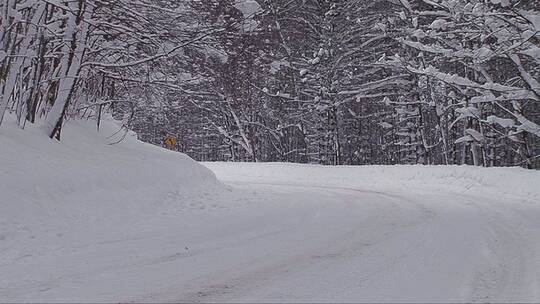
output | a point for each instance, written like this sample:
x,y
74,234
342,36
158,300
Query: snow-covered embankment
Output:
x,y
84,186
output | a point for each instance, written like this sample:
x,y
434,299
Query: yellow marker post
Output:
x,y
170,142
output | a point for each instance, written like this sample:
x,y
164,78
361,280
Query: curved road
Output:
x,y
281,241
349,245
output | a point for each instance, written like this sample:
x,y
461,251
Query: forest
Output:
x,y
269,151
334,82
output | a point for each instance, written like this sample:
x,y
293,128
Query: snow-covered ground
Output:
x,y
85,221
397,234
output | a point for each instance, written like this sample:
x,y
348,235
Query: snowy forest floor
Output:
x,y
85,221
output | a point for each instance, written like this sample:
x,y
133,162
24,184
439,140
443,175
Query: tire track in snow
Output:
x,y
344,248
497,273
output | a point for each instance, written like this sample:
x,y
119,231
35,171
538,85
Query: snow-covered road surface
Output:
x,y
329,243
275,237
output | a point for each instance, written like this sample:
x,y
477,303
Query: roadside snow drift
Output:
x,y
39,175
85,185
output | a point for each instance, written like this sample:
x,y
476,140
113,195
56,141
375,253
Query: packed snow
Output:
x,y
84,220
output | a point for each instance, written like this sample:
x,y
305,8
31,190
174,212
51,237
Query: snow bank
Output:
x,y
515,183
84,182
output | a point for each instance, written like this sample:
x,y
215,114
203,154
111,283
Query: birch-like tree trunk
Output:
x,y
21,58
75,38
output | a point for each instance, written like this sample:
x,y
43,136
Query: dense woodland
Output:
x,y
337,82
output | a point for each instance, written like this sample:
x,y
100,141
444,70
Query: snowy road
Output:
x,y
345,244
351,245
279,239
